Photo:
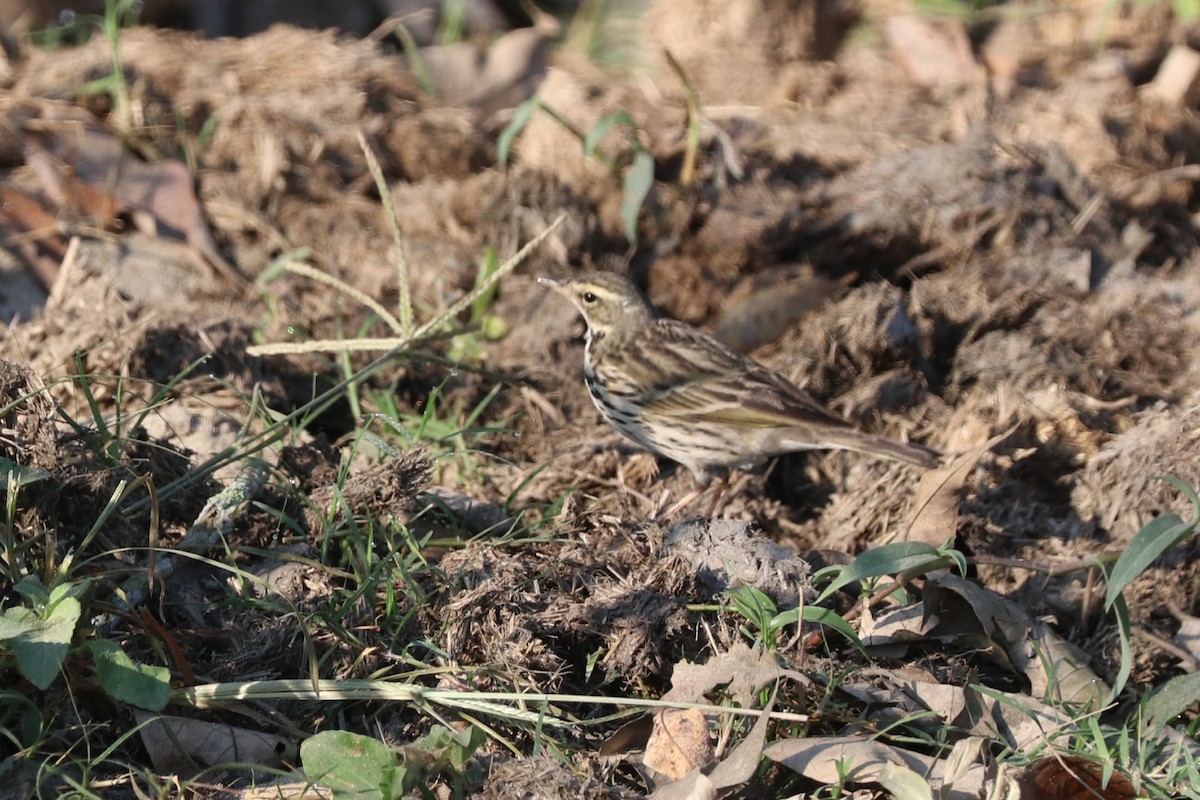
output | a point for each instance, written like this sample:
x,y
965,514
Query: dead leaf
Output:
x,y
89,171
1006,52
633,735
500,75
767,313
1016,720
734,770
1053,666
741,764
679,742
932,55
30,230
935,519
1188,635
816,758
182,746
742,670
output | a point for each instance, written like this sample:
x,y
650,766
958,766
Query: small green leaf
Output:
x,y
889,559
443,750
1159,535
1188,492
602,126
493,328
751,603
40,643
126,680
32,591
353,766
64,590
488,266
1187,10
521,116
12,472
831,619
635,187
278,266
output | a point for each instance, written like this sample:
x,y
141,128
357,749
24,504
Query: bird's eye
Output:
x,y
589,298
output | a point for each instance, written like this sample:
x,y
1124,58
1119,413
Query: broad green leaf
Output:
x,y
126,680
1173,698
888,559
1159,535
635,187
61,591
783,619
40,643
353,766
521,116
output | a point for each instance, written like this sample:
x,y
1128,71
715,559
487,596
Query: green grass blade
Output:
x,y
521,117
636,186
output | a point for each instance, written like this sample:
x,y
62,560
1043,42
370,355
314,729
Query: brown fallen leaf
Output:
x,y
30,230
1072,778
90,172
678,743
958,607
181,746
767,313
932,54
821,758
500,75
734,770
1017,720
741,671
935,519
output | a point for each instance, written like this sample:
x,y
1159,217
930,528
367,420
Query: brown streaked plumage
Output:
x,y
680,393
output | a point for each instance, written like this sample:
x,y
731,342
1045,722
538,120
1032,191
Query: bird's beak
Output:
x,y
558,286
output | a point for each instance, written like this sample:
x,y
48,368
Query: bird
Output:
x,y
680,393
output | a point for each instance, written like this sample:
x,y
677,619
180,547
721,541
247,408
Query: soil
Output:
x,y
1007,249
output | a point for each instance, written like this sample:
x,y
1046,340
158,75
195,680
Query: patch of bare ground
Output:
x,y
1011,252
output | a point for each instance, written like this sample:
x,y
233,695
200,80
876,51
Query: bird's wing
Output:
x,y
705,381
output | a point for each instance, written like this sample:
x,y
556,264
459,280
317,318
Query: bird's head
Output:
x,y
608,302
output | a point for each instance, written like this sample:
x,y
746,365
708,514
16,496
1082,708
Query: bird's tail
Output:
x,y
859,442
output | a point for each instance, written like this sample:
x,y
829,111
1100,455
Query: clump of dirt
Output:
x,y
1120,490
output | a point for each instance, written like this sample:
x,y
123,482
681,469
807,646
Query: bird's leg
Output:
x,y
718,493
690,497
682,503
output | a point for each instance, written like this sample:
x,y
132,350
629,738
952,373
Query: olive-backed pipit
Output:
x,y
682,394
